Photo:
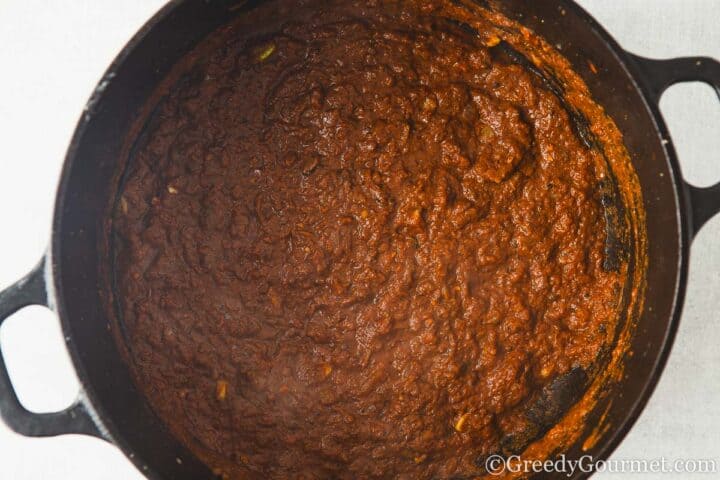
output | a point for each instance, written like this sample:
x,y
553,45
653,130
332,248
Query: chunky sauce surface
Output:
x,y
362,245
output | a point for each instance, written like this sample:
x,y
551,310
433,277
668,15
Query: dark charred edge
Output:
x,y
625,240
557,397
582,127
615,249
511,53
470,30
605,354
483,4
549,80
543,412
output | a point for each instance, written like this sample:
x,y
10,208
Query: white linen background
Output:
x,y
52,53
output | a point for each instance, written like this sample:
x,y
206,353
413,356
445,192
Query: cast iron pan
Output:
x,y
69,277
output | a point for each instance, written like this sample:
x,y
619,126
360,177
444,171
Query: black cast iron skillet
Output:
x,y
68,281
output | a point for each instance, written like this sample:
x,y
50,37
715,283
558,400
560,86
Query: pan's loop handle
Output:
x,y
31,290
658,76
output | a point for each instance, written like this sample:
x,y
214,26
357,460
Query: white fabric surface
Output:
x,y
52,54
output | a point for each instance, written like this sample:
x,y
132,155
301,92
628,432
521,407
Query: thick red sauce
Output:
x,y
362,244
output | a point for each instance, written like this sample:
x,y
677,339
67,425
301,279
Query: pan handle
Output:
x,y
658,76
31,290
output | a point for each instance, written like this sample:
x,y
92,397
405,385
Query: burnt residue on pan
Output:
x,y
616,230
559,395
207,359
547,408
616,233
